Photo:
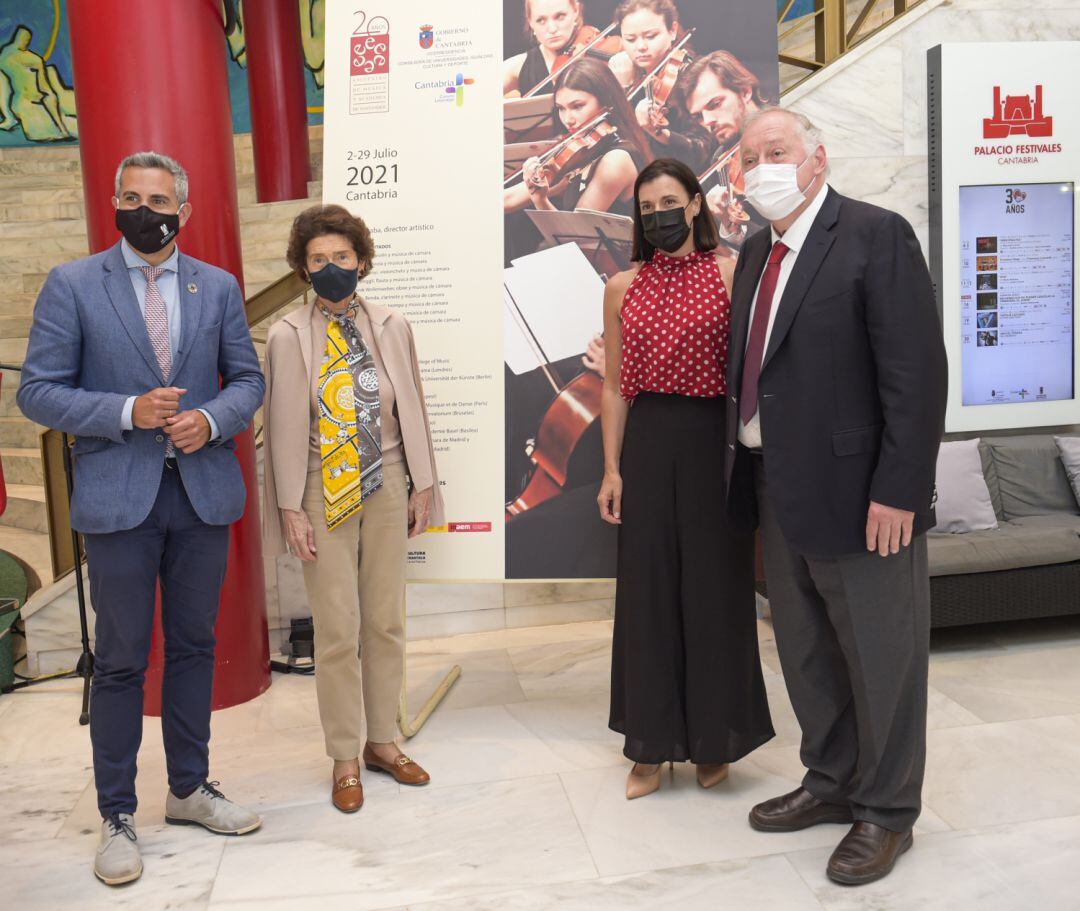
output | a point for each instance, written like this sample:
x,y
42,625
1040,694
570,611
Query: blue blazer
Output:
x,y
89,351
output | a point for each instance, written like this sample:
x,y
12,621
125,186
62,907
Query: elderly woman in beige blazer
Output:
x,y
349,476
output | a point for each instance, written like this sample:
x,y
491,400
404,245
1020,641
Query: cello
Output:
x,y
572,411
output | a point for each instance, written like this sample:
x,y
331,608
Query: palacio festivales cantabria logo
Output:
x,y
1019,116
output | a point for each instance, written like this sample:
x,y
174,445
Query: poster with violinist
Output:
x,y
593,90
492,147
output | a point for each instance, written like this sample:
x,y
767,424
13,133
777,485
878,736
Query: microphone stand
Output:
x,y
85,666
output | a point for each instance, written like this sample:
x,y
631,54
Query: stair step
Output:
x,y
68,227
25,507
35,265
13,212
35,166
22,465
14,326
12,351
33,196
16,431
41,152
31,547
57,244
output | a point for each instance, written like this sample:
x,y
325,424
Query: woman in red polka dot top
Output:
x,y
686,680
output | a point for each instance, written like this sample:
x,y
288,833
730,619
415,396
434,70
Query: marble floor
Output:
x,y
526,810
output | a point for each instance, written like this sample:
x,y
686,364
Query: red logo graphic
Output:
x,y
1017,114
371,48
1019,196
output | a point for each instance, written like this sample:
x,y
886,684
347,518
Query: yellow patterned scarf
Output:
x,y
342,492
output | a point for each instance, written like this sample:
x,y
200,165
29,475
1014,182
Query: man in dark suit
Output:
x,y
125,354
837,379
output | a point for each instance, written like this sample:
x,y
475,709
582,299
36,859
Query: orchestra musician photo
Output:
x,y
558,33
595,91
655,51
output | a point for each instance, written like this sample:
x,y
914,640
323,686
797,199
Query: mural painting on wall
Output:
x,y
37,100
37,104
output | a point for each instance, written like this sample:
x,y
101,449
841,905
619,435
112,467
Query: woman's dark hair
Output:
x,y
706,237
595,77
578,4
319,221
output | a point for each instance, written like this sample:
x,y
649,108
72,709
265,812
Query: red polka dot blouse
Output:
x,y
676,321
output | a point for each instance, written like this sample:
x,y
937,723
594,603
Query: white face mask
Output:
x,y
773,189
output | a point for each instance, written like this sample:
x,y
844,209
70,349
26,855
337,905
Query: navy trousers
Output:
x,y
175,547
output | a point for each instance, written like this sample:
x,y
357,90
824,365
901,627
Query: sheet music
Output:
x,y
515,154
560,300
528,118
581,226
520,355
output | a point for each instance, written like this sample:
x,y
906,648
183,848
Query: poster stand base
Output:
x,y
410,729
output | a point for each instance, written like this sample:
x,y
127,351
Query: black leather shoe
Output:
x,y
798,810
867,853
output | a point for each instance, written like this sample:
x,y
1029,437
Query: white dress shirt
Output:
x,y
169,285
794,238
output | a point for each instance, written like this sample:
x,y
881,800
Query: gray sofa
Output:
x,y
1027,567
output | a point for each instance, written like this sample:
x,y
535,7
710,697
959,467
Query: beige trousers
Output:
x,y
356,588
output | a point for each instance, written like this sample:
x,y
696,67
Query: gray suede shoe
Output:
x,y
118,861
206,806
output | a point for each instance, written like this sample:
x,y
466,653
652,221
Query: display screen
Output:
x,y
1016,293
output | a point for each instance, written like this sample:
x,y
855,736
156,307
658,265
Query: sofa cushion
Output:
x,y
986,454
1069,450
1010,546
1031,476
963,503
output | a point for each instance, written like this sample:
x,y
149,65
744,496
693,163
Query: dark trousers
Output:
x,y
175,547
853,633
686,678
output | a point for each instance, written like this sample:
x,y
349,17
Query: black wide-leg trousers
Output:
x,y
686,679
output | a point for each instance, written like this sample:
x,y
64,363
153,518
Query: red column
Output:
x,y
164,86
275,72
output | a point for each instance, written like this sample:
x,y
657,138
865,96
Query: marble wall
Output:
x,y
871,104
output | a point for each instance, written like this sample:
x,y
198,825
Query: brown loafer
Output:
x,y
348,794
798,810
402,769
867,853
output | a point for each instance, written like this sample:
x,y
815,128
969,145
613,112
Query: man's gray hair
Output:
x,y
162,162
808,133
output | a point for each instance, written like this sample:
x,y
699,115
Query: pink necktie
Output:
x,y
755,346
157,327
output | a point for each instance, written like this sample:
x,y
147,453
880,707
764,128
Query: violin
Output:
x,y
730,178
587,40
575,153
660,82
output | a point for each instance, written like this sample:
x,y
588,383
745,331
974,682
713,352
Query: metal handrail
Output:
x,y
832,37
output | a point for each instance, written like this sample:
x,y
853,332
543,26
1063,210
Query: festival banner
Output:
x,y
492,148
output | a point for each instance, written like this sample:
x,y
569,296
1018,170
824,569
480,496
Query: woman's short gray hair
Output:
x,y
162,162
808,133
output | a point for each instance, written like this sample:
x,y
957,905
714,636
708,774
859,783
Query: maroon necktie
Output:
x,y
755,346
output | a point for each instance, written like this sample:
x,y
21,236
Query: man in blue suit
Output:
x,y
125,354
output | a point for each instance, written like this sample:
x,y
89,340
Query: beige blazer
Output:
x,y
287,410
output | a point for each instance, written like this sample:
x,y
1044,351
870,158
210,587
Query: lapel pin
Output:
x,y
192,287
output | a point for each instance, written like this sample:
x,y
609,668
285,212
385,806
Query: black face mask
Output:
x,y
146,230
666,230
332,283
